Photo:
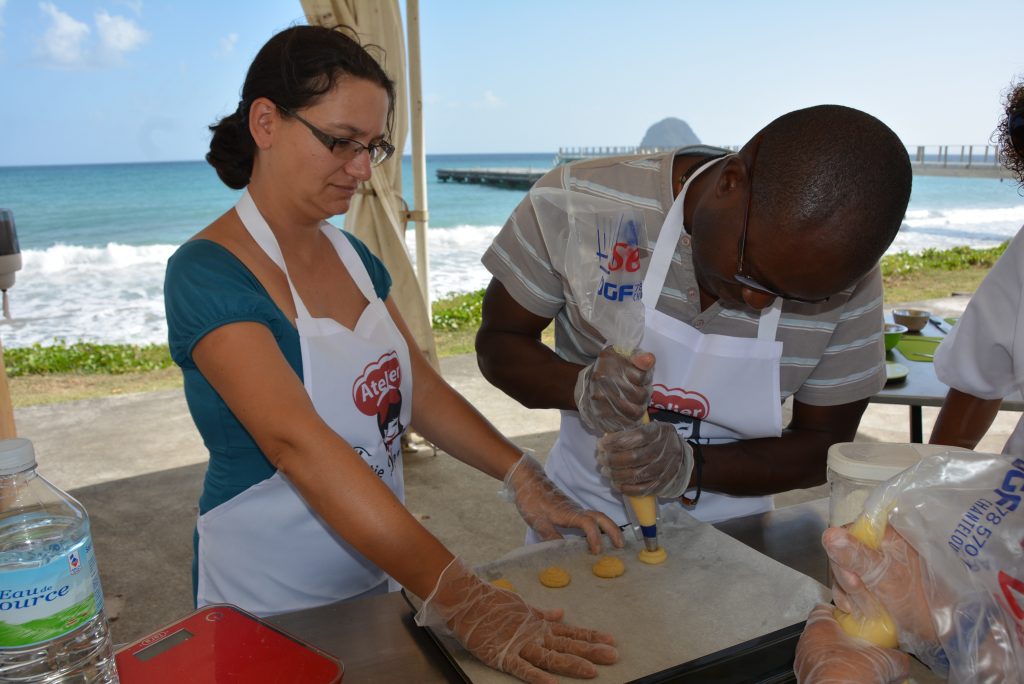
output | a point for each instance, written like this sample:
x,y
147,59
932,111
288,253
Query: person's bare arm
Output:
x,y
512,357
651,458
963,419
795,460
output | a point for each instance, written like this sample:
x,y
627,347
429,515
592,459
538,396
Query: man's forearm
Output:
x,y
769,465
527,370
795,460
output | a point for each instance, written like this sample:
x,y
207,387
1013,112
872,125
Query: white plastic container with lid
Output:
x,y
856,468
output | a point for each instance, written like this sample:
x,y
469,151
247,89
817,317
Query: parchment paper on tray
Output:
x,y
713,592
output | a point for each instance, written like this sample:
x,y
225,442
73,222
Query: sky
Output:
x,y
87,81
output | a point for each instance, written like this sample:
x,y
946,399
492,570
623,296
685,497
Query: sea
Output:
x,y
95,239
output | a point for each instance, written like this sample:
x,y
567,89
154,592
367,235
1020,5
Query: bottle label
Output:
x,y
52,600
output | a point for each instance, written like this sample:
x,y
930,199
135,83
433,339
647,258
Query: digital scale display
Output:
x,y
164,644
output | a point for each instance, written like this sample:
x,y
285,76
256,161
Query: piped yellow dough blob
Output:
x,y
609,567
867,534
503,583
880,631
554,577
653,557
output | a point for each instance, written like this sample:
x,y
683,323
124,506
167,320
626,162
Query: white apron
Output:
x,y
266,550
730,383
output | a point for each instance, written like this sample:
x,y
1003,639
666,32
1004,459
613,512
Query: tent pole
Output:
x,y
419,158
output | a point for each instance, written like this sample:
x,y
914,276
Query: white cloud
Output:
x,y
226,45
62,40
488,101
68,42
118,34
492,101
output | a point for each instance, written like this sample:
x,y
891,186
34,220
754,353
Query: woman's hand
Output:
x,y
505,633
891,577
828,655
544,507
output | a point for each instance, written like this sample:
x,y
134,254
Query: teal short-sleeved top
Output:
x,y
206,287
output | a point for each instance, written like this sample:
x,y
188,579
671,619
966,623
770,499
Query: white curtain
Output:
x,y
377,214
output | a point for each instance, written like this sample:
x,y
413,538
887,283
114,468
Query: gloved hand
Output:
x,y
650,459
505,633
612,393
543,506
891,577
826,654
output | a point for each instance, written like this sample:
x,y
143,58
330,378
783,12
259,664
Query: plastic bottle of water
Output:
x,y
52,625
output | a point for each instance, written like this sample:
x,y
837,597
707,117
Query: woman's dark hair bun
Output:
x,y
294,69
232,149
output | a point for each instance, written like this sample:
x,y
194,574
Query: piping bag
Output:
x,y
869,529
606,272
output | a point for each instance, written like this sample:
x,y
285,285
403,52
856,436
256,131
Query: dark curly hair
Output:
x,y
1013,106
294,69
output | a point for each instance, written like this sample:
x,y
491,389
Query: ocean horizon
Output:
x,y
95,238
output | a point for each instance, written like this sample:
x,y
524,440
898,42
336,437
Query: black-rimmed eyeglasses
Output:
x,y
741,277
346,148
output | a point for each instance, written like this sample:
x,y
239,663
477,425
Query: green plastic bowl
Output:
x,y
893,332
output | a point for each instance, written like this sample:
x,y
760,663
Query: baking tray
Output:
x,y
716,607
766,659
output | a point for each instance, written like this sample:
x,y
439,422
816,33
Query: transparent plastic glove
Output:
x,y
826,654
650,459
505,633
891,577
544,506
612,393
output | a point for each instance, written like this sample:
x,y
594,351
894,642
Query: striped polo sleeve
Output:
x,y
852,366
525,255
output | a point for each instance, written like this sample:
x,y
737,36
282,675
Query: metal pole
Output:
x,y
419,156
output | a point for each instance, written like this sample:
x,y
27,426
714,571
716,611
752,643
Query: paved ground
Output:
x,y
137,463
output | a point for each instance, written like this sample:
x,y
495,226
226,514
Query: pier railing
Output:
x,y
926,160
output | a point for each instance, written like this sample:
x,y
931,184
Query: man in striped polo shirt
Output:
x,y
763,284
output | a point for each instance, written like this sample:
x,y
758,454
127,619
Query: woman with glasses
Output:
x,y
301,377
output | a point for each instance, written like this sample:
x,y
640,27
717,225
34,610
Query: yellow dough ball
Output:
x,y
503,583
608,567
554,577
880,631
653,557
868,534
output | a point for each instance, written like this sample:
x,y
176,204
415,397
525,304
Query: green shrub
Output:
x,y
953,259
457,311
85,357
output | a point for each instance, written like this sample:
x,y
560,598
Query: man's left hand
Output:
x,y
650,459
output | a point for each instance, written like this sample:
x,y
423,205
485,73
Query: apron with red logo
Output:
x,y
266,550
714,388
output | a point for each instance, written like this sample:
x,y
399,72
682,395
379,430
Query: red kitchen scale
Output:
x,y
222,644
